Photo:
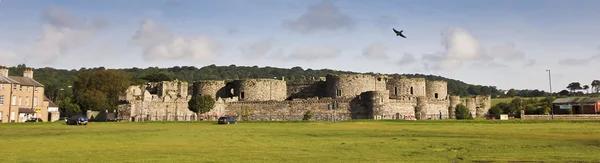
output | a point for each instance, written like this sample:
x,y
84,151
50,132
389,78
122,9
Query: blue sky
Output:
x,y
508,43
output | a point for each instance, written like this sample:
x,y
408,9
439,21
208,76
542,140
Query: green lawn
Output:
x,y
362,141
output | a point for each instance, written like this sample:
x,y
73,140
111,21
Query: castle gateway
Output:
x,y
340,97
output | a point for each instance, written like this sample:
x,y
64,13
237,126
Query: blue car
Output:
x,y
227,120
77,120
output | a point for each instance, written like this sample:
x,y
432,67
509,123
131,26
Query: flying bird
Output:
x,y
398,33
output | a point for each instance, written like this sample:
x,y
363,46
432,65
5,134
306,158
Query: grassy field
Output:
x,y
361,141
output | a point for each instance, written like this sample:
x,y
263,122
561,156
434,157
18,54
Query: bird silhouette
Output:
x,y
398,33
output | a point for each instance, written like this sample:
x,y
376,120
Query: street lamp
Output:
x,y
550,81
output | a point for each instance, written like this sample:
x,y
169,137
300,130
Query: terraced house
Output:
x,y
21,98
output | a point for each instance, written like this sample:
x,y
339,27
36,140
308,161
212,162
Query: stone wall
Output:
x,y
305,89
173,88
262,90
437,90
287,110
562,117
402,86
213,88
351,86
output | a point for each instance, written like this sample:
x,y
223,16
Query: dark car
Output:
x,y
77,120
226,120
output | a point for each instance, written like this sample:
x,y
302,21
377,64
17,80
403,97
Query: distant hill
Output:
x,y
55,79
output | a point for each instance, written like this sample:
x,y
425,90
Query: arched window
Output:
x,y
436,95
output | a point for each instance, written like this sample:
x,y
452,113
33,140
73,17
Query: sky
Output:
x,y
508,43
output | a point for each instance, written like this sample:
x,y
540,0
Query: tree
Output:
x,y
201,104
586,88
564,93
574,86
511,93
157,77
462,112
68,107
596,86
100,89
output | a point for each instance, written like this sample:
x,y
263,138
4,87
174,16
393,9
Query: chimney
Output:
x,y
3,71
28,72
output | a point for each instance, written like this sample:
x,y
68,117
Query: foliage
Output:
x,y
54,79
574,86
157,77
201,104
99,90
462,112
68,107
595,86
307,115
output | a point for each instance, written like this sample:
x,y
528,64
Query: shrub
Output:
x,y
307,115
462,112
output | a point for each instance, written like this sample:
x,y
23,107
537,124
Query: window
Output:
x,y
36,90
395,90
27,101
35,101
1,100
411,91
21,88
436,95
20,101
339,92
14,100
242,95
2,87
379,79
27,88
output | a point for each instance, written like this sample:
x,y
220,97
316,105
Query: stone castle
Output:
x,y
343,96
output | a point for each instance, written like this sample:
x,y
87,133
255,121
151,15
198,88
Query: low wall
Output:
x,y
562,117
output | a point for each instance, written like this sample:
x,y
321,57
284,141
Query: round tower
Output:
x,y
421,108
352,85
454,100
213,88
402,86
261,90
437,89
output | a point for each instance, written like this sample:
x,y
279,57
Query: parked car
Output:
x,y
77,120
34,120
227,120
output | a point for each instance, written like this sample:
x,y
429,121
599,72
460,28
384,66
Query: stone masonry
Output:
x,y
346,96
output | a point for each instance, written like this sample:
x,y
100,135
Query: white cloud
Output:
x,y
311,53
322,16
376,50
257,49
8,58
530,63
507,52
63,32
406,59
461,47
158,43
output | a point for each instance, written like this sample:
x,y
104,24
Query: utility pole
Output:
x,y
550,81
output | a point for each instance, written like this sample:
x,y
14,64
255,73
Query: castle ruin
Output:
x,y
343,97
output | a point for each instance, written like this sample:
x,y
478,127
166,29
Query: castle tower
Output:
x,y
213,88
402,86
352,85
454,101
437,90
421,108
261,90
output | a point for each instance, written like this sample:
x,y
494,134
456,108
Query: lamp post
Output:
x,y
550,82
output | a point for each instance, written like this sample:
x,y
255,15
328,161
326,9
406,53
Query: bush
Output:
x,y
307,115
462,112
